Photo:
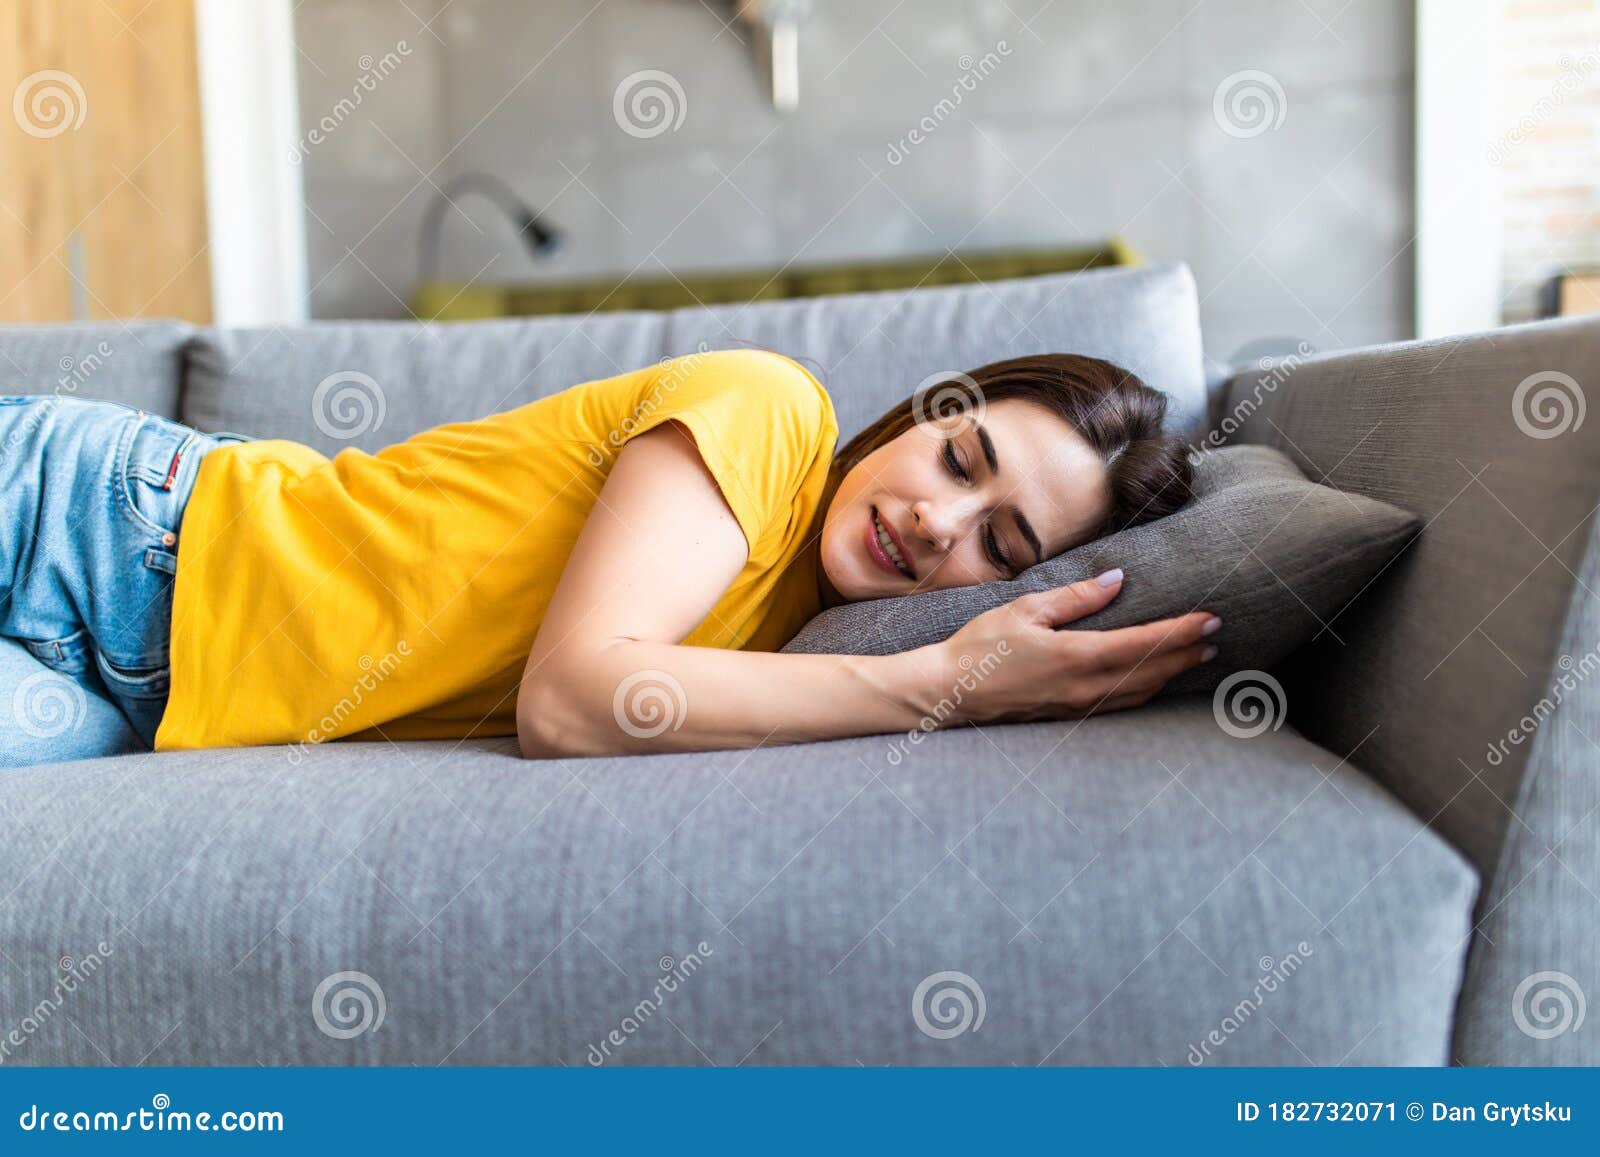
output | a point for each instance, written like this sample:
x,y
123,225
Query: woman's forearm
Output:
x,y
633,697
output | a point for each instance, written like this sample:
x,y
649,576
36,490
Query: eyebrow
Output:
x,y
1023,525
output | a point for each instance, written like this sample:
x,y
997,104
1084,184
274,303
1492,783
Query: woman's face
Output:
x,y
977,498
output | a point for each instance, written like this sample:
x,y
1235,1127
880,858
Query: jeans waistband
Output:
x,y
167,454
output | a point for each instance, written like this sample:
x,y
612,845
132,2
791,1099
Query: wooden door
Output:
x,y
102,182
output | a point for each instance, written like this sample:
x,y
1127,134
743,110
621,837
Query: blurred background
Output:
x,y
1335,172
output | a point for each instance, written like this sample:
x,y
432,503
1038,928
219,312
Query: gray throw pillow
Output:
x,y
1272,553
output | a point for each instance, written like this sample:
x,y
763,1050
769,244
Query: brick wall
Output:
x,y
1548,148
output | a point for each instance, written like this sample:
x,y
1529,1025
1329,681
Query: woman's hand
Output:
x,y
1010,664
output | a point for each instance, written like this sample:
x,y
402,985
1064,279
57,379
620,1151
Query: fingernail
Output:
x,y
1210,626
1110,578
1208,654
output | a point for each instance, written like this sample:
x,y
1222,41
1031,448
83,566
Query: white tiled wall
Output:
x,y
1097,120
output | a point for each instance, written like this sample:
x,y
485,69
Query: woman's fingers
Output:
x,y
1126,646
1155,672
1134,685
1065,604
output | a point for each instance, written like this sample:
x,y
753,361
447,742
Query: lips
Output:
x,y
875,548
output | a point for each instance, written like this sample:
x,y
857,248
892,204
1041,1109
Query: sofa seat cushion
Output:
x,y
1138,888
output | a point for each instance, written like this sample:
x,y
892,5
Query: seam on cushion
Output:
x,y
192,342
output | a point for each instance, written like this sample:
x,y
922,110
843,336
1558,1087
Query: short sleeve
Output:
x,y
760,421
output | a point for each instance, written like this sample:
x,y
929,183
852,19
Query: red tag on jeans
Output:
x,y
172,471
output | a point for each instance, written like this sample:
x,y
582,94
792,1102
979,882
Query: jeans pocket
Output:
x,y
134,682
68,655
147,474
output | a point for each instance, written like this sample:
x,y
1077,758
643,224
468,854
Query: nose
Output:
x,y
937,524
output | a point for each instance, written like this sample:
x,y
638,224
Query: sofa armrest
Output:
x,y
1426,672
1466,678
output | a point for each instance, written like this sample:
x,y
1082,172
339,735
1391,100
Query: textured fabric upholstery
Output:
x,y
870,350
1272,553
1432,675
1536,951
139,363
1111,888
373,383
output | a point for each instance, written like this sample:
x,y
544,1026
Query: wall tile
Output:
x,y
847,201
518,77
1302,43
702,209
1074,55
1319,209
880,68
368,83
379,222
1072,182
1107,107
722,96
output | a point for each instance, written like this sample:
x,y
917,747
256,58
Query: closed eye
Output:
x,y
954,464
990,542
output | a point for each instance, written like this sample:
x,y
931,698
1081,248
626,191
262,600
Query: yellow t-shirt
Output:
x,y
399,593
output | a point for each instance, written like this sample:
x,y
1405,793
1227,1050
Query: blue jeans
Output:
x,y
92,496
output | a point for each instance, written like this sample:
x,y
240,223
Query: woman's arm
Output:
x,y
608,675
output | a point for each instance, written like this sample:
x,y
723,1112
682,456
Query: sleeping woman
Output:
x,y
527,573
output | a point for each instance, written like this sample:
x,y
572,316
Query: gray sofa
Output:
x,y
1384,879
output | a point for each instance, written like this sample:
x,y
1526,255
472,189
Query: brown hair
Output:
x,y
1109,407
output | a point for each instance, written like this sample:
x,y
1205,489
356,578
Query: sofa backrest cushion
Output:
x,y
138,363
372,383
872,350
